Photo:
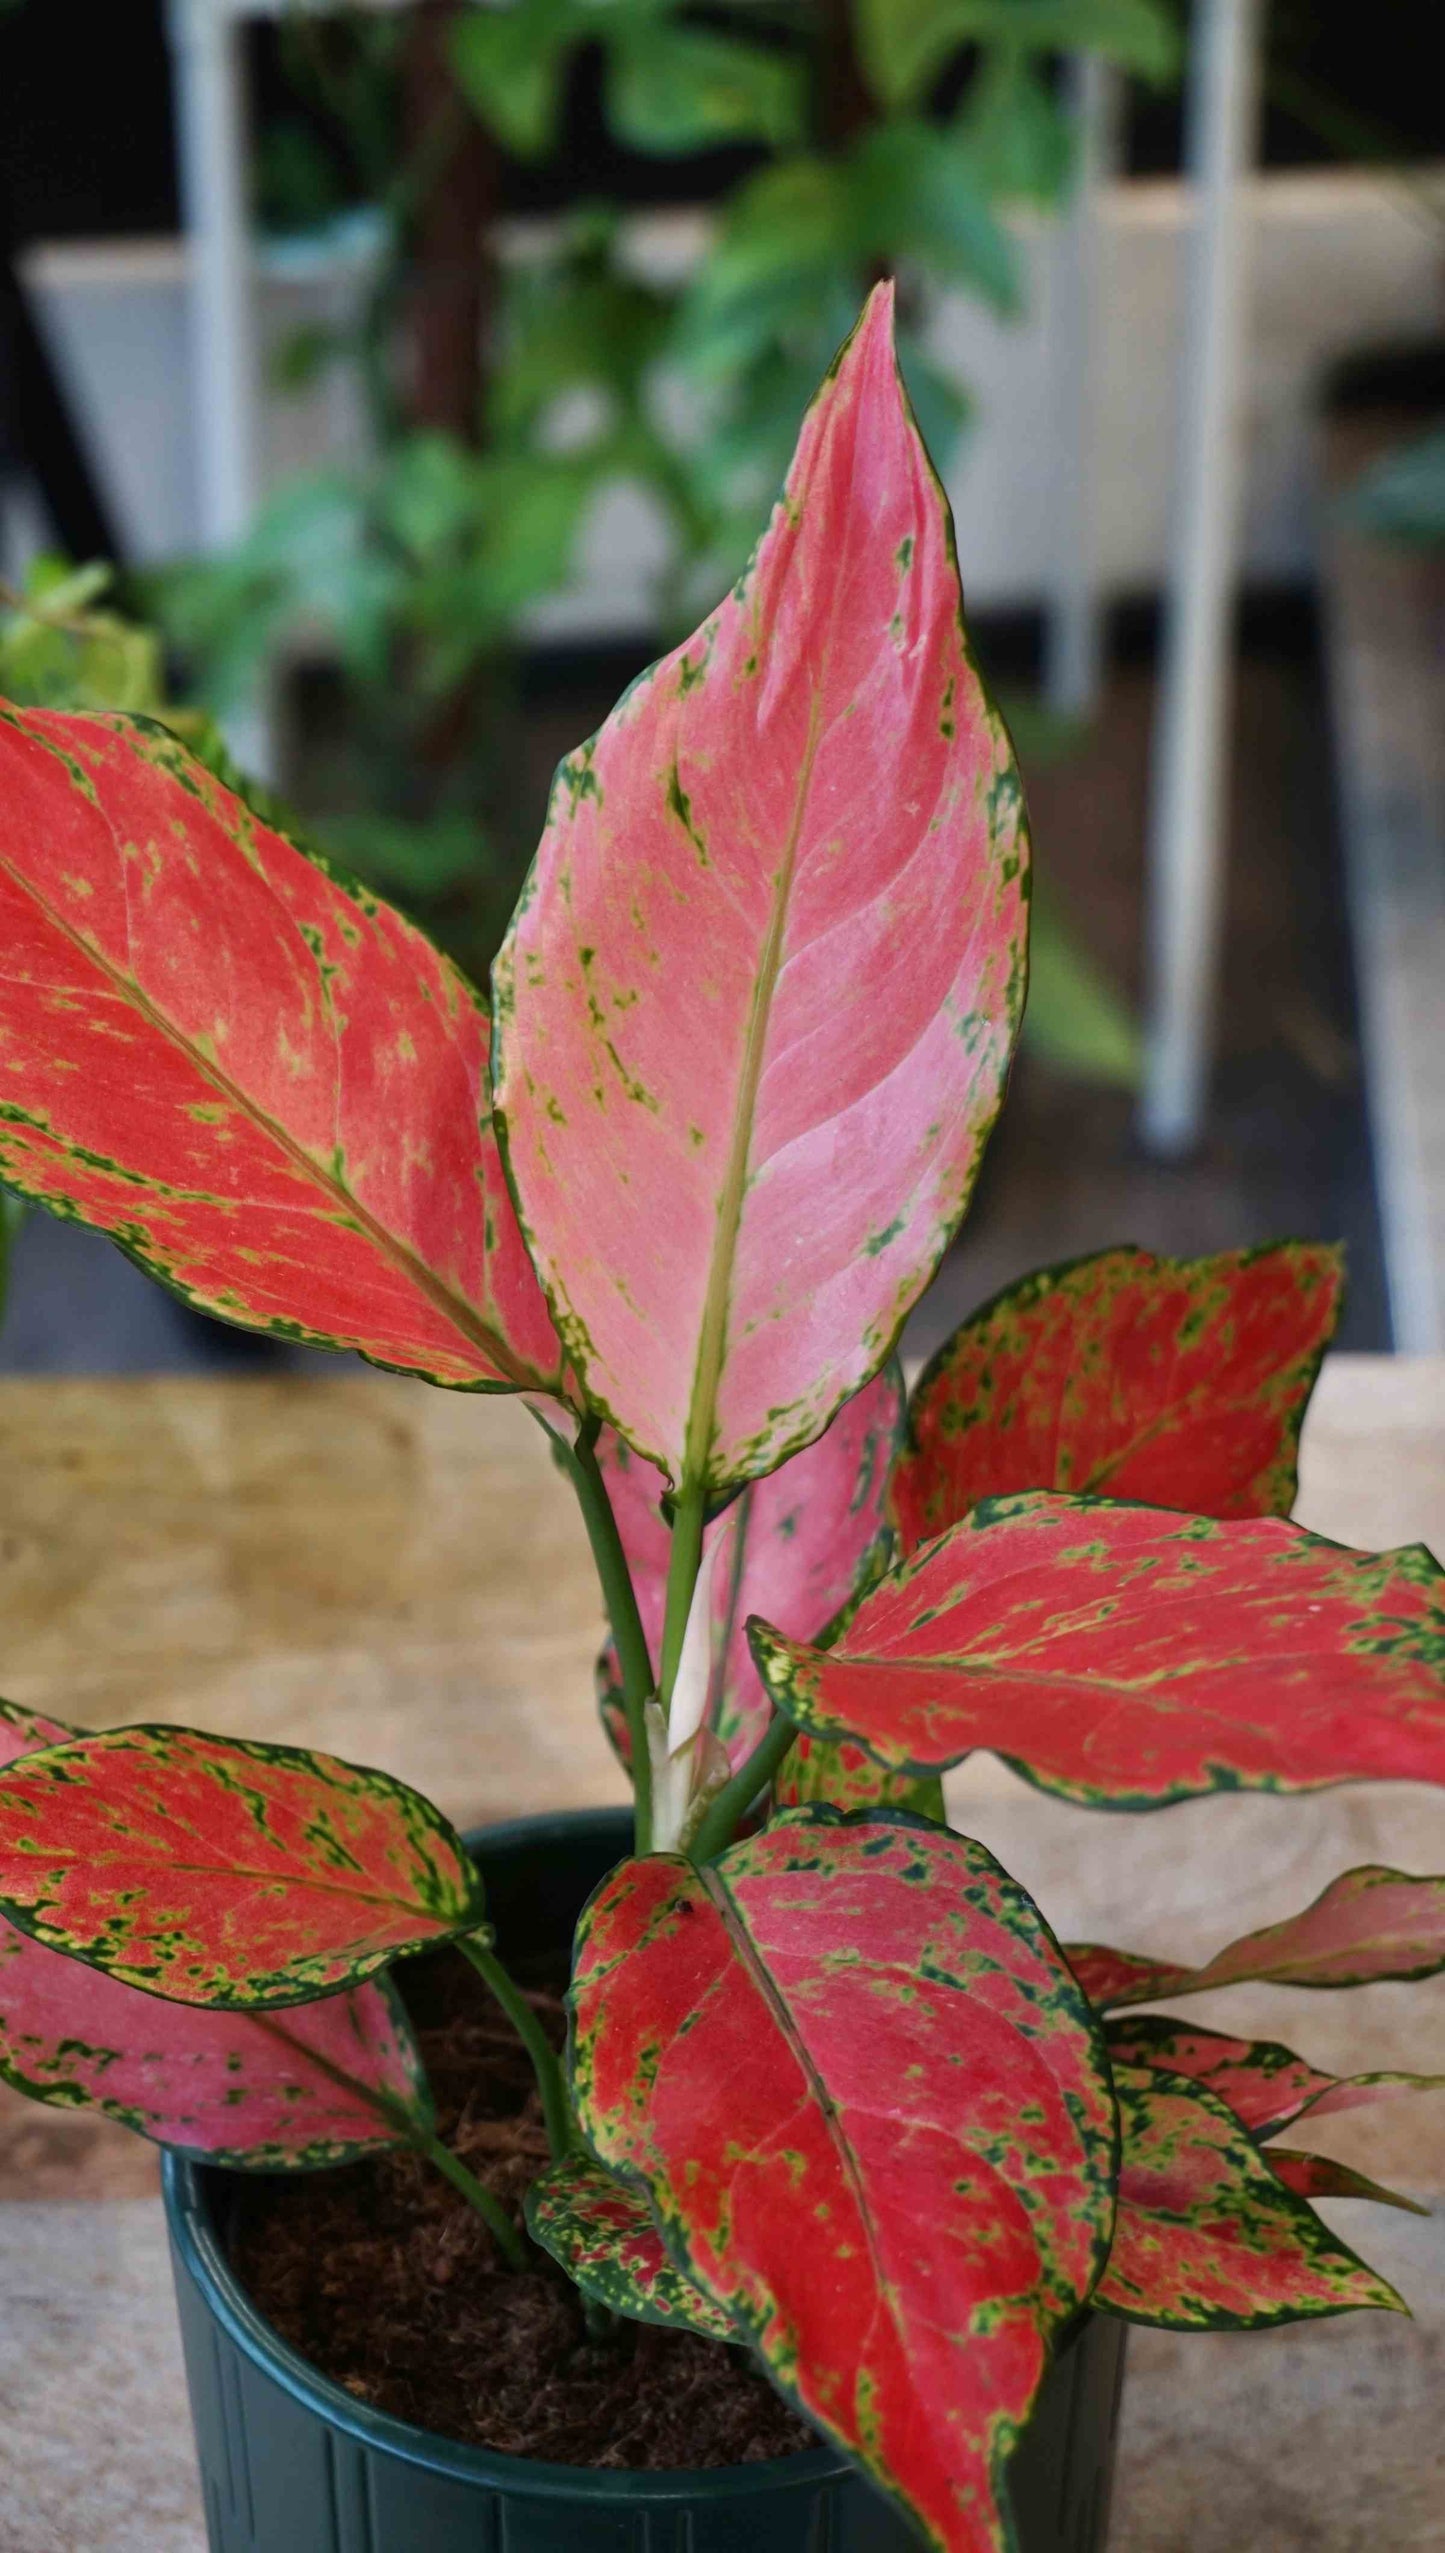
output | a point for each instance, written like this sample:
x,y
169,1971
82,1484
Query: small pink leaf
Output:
x,y
1125,1655
1368,1925
23,1732
605,2236
1206,2236
849,2066
1178,1382
790,1546
757,1005
1320,2176
239,2087
267,1085
1264,2084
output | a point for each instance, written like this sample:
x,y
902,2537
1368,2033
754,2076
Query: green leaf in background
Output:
x,y
675,88
576,321
778,264
914,194
510,63
1403,496
1074,1019
1016,134
58,651
905,43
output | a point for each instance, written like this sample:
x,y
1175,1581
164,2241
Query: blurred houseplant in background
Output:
x,y
507,393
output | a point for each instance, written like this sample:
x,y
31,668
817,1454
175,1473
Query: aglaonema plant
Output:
x,y
832,2088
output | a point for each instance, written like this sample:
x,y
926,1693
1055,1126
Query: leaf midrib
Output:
x,y
64,1861
712,1332
452,1307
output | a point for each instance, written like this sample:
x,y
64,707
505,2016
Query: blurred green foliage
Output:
x,y
414,574
1402,498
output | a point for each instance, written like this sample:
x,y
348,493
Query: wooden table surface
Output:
x,y
397,1574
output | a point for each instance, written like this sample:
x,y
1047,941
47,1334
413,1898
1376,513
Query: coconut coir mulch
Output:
x,y
382,2276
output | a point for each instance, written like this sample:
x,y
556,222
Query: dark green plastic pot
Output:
x,y
291,2464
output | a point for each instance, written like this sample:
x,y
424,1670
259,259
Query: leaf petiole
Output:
x,y
689,1516
580,1463
422,2140
718,1823
493,2214
556,2102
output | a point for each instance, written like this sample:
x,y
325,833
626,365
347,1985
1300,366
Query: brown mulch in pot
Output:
x,y
384,2278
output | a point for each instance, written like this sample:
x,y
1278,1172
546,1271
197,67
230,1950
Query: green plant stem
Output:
x,y
405,2123
491,2211
719,1821
687,1525
556,2106
580,1463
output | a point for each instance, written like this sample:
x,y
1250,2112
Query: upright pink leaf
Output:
x,y
1265,2085
790,1546
757,1005
238,2087
1368,1925
1180,1382
267,1086
848,2064
214,1871
1207,2237
1122,1654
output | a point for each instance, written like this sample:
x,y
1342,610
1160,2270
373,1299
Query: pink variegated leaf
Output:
x,y
1265,2085
755,1011
790,1546
872,2114
1370,1924
323,2082
1207,2237
1177,1382
844,1775
605,2236
24,1732
263,1082
216,1871
1128,1656
1320,2176
316,2084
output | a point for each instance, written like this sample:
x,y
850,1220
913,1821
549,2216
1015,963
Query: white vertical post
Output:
x,y
1074,632
1191,734
206,41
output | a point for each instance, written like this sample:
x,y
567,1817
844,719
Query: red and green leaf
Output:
x,y
1122,1655
1207,2236
846,1777
1176,1382
604,2235
264,1083
331,2080
1369,1925
1264,2084
790,1546
1320,2176
756,1008
216,1872
322,2083
870,2107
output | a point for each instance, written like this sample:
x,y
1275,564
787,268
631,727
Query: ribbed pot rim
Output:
x,y
193,2231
